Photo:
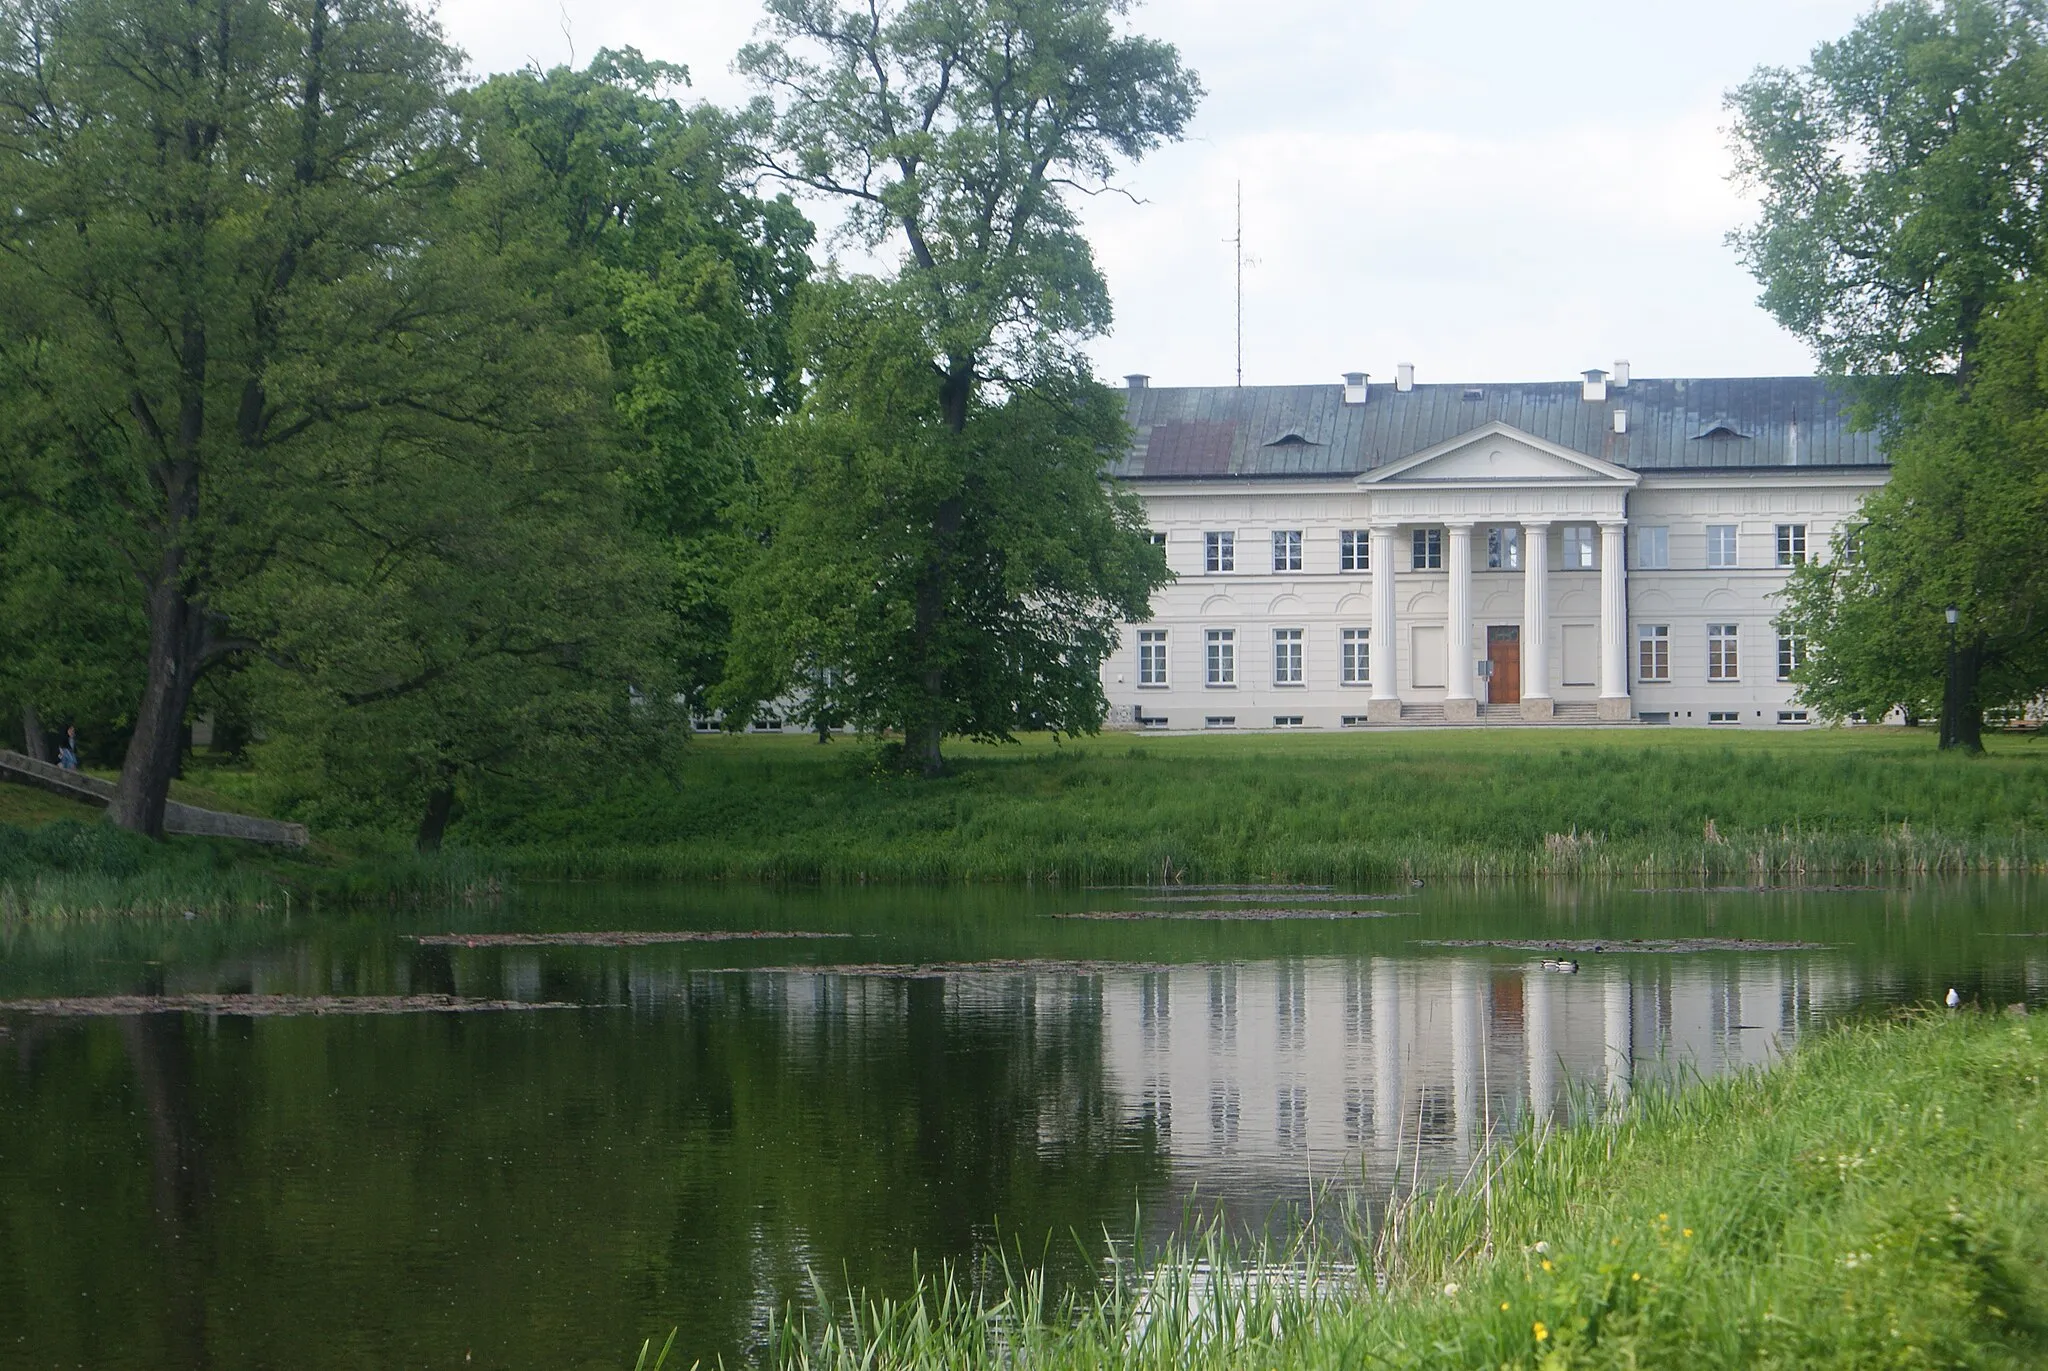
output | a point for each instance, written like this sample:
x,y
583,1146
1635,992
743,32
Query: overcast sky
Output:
x,y
1495,190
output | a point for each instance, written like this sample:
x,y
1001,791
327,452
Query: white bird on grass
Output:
x,y
1953,998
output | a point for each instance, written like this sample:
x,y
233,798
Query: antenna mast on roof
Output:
x,y
1237,245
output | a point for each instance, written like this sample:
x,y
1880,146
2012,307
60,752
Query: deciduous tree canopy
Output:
x,y
956,131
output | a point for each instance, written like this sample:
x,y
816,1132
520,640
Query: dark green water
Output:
x,y
710,1122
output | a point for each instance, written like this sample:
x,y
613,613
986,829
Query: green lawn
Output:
x,y
1879,1200
1123,807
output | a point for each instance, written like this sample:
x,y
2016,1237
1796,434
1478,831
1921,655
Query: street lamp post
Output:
x,y
1951,708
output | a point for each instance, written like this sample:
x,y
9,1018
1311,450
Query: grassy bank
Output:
x,y
1880,1199
1119,808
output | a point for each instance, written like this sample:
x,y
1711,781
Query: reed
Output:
x,y
1878,1199
1491,804
80,870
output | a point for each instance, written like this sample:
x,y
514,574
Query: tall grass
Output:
x,y
1485,804
73,870
1879,1199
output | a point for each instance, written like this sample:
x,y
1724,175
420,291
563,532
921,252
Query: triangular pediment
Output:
x,y
1500,452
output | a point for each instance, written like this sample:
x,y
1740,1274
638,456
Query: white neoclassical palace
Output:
x,y
1604,549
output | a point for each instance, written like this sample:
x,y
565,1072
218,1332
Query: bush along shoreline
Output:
x,y
1878,1198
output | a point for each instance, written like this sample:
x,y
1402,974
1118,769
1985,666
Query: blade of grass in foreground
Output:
x,y
1879,1198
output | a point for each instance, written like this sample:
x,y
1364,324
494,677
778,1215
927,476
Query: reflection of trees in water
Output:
x,y
348,1191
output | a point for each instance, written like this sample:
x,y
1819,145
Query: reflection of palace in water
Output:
x,y
1280,1062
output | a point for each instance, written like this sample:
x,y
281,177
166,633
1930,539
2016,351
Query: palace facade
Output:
x,y
1364,554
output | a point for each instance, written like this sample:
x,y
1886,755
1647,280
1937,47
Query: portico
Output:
x,y
1517,492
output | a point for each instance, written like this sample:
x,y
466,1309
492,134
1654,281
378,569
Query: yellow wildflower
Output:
x,y
1503,1306
1539,1330
1688,1232
1546,1263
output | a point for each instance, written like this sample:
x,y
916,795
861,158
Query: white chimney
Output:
x,y
1404,376
1354,388
1621,374
1596,384
1137,380
1621,421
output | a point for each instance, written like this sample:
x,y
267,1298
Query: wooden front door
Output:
x,y
1504,652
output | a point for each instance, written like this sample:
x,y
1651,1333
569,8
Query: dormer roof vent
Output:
x,y
1355,391
1137,380
1723,432
1596,384
1291,439
1621,374
1404,376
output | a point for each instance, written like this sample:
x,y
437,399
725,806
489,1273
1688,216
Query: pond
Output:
x,y
630,1134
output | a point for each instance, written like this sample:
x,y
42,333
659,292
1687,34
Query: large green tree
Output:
x,y
1902,176
199,189
955,136
633,212
273,351
1958,526
1042,563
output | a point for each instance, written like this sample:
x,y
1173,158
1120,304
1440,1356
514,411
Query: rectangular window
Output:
x,y
1287,721
1720,546
1287,656
768,723
1156,539
1852,545
1151,720
1504,549
1287,549
1220,721
1579,542
1354,721
1653,549
1222,656
704,723
1723,662
1219,551
1653,652
1791,716
1151,656
1791,656
1791,544
1357,660
1354,550
1723,716
1429,549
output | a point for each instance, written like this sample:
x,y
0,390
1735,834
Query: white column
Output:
x,y
1613,620
1387,1115
1458,701
1618,1032
1537,1041
1536,621
1385,704
1466,1082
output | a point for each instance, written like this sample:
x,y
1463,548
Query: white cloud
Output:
x,y
1495,190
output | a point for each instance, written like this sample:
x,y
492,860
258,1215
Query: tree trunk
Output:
x,y
34,741
1962,713
922,736
434,823
177,635
921,748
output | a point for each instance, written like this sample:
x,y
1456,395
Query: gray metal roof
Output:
x,y
1673,425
